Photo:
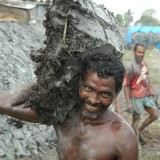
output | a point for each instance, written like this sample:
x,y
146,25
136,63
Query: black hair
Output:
x,y
138,44
104,65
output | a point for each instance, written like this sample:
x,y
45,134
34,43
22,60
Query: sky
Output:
x,y
136,6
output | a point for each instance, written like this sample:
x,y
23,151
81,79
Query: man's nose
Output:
x,y
94,98
141,54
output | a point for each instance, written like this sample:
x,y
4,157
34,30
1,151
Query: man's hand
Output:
x,y
12,104
130,107
118,106
155,99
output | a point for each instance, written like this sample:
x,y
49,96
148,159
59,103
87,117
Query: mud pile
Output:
x,y
19,139
16,43
74,29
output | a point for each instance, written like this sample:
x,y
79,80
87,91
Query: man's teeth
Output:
x,y
91,107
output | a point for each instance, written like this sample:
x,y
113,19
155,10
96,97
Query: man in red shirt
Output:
x,y
139,92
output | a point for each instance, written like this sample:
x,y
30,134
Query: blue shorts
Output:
x,y
140,103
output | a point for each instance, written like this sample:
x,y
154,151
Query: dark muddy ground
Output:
x,y
74,29
20,139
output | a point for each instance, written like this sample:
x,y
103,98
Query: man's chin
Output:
x,y
139,60
91,115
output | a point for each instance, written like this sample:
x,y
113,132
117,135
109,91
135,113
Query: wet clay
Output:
x,y
74,29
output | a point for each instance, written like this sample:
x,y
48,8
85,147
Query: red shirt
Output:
x,y
137,77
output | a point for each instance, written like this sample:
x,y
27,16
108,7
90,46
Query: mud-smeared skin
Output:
x,y
73,29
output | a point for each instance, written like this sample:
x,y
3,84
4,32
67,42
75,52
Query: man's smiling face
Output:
x,y
96,94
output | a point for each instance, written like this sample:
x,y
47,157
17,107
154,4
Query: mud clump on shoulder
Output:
x,y
74,29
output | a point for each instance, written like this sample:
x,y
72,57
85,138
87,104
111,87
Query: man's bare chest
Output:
x,y
87,143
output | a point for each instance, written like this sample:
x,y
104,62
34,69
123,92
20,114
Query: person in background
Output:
x,y
116,106
139,92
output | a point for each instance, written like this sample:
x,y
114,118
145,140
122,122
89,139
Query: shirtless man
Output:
x,y
95,132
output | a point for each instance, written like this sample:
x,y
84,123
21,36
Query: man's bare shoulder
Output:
x,y
118,123
124,137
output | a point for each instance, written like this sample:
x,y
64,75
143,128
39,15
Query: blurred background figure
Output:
x,y
139,92
116,106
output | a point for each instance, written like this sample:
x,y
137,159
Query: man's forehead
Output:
x,y
91,73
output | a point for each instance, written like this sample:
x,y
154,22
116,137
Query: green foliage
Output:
x,y
126,19
148,19
149,12
119,19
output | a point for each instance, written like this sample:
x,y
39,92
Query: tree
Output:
x,y
148,19
149,12
128,18
120,20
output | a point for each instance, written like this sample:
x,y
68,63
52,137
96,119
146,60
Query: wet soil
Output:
x,y
17,138
74,29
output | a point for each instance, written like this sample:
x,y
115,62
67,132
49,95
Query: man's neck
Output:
x,y
102,118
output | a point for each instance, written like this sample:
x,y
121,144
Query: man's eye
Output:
x,y
106,95
87,88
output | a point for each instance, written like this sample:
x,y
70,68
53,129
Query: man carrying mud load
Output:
x,y
94,132
79,73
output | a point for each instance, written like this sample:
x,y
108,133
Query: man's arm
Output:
x,y
127,93
118,106
151,87
127,144
12,104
